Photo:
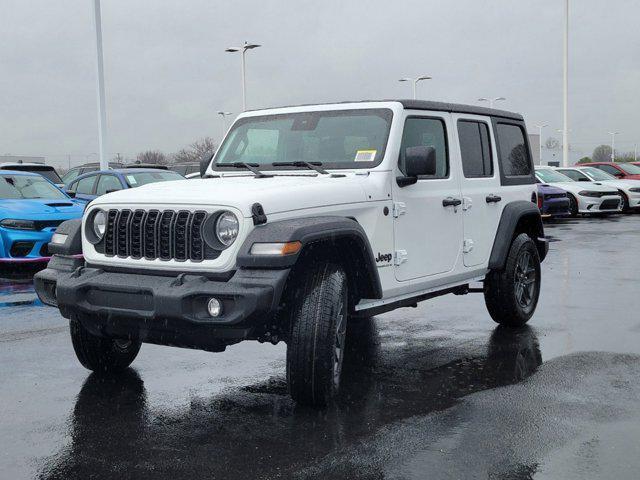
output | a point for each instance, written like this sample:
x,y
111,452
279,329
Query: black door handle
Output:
x,y
451,202
493,198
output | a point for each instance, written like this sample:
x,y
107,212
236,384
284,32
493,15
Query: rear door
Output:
x,y
480,185
427,221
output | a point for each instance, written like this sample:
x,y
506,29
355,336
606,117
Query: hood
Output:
x,y
39,207
276,194
577,186
546,188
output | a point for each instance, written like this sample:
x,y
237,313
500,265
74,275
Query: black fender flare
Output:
x,y
342,232
516,213
73,243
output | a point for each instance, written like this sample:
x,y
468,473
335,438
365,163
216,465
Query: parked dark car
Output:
x,y
552,201
47,171
75,172
91,185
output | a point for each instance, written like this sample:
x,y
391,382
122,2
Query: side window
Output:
x,y
514,155
475,149
427,132
84,186
70,175
108,183
609,169
576,175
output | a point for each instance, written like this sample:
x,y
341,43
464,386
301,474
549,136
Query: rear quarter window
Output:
x,y
516,167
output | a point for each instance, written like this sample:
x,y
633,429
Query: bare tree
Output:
x,y
602,153
194,152
152,156
625,157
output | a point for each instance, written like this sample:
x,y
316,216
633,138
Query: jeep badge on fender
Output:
x,y
276,241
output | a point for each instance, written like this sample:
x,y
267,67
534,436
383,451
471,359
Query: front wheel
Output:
x,y
573,206
511,295
102,354
315,350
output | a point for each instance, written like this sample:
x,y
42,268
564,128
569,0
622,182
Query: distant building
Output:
x,y
20,159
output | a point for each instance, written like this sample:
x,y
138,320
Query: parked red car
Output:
x,y
627,171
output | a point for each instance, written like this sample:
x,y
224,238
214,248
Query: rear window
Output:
x,y
514,154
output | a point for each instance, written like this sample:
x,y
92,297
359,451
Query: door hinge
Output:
x,y
399,208
400,257
467,245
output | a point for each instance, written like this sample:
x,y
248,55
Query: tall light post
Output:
x,y
565,91
414,82
102,112
491,101
613,145
224,122
243,50
540,127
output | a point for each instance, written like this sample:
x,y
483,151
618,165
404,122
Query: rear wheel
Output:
x,y
102,354
315,351
511,295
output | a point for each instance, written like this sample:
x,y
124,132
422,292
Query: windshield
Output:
x,y
630,169
551,176
598,174
337,139
47,172
27,187
137,179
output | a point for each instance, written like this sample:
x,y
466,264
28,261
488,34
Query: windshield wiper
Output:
x,y
310,165
247,166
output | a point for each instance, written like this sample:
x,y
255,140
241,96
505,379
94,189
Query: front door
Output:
x,y
428,216
481,196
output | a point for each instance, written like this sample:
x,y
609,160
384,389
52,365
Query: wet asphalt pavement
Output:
x,y
433,392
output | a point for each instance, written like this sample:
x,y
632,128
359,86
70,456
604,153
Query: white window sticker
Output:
x,y
365,155
131,179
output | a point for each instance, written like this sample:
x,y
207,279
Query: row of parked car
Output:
x,y
589,188
34,200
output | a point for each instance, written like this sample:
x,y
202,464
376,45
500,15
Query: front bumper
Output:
x,y
555,207
608,204
24,246
167,310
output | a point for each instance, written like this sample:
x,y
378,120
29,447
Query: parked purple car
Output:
x,y
552,201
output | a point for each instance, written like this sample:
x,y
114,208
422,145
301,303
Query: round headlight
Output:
x,y
99,224
227,227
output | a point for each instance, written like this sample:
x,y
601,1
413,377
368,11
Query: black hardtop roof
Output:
x,y
430,105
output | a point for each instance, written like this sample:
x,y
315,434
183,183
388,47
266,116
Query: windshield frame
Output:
x,y
38,178
387,114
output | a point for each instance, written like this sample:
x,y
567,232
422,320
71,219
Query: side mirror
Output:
x,y
204,163
418,161
70,193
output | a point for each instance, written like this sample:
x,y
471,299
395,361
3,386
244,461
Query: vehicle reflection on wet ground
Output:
x,y
189,414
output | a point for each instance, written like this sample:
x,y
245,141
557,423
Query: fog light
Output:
x,y
59,238
214,307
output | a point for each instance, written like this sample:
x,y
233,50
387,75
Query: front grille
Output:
x,y
610,205
21,249
157,234
548,196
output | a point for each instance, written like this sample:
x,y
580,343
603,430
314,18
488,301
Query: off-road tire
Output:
x,y
101,354
508,300
573,206
315,349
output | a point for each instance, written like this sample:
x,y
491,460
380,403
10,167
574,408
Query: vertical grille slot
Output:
x,y
136,235
181,235
196,244
150,236
165,234
109,236
122,233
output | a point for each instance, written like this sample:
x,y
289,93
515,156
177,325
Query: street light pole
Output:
x,y
540,127
224,123
565,94
414,82
243,50
613,145
491,101
102,113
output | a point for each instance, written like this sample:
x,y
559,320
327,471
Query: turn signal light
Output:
x,y
288,248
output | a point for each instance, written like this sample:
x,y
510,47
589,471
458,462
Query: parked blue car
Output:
x,y
31,207
90,185
552,201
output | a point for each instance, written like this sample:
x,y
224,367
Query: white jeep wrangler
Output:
x,y
308,217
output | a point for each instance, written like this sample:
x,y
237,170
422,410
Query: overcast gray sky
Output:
x,y
167,74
